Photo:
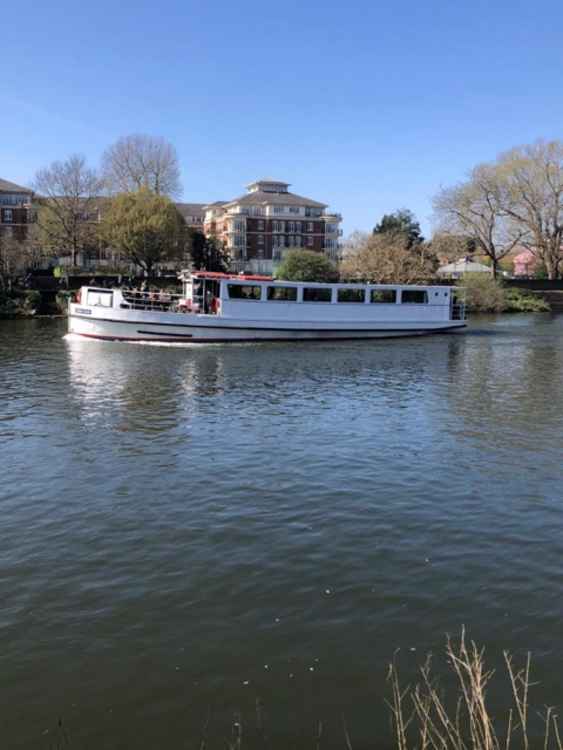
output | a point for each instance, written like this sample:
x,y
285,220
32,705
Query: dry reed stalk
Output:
x,y
469,725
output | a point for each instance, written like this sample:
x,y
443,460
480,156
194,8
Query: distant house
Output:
x,y
15,209
525,263
465,265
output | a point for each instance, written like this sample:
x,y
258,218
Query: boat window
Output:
x,y
414,296
282,293
351,295
385,296
100,299
317,294
244,291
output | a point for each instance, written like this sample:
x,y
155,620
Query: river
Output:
x,y
246,534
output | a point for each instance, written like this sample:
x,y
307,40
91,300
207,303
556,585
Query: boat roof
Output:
x,y
218,276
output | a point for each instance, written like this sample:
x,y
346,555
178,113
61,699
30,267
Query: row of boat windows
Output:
x,y
323,294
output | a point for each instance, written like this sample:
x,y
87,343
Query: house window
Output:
x,y
8,217
384,296
290,226
310,241
294,209
279,209
260,226
244,291
297,226
260,239
351,295
317,294
414,297
282,293
309,226
298,241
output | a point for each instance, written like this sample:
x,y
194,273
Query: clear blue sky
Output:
x,y
368,106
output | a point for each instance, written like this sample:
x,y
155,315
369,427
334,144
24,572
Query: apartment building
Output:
x,y
258,227
15,209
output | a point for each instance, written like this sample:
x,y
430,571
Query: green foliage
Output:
x,y
206,253
19,304
486,294
483,293
306,265
520,301
146,228
401,222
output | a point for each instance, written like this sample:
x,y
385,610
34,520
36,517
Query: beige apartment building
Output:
x,y
259,227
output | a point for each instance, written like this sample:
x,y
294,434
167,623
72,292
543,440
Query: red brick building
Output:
x,y
15,209
258,227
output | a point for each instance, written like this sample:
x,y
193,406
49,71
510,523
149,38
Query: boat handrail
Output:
x,y
157,299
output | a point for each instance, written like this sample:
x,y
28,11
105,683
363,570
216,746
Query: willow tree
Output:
x,y
146,228
475,210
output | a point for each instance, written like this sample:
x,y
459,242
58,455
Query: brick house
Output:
x,y
15,210
258,227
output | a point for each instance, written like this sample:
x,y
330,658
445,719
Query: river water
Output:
x,y
246,534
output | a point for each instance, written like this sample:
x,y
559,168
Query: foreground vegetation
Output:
x,y
483,293
449,708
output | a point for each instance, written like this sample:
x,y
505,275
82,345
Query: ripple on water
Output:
x,y
175,519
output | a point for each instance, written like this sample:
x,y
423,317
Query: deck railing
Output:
x,y
157,301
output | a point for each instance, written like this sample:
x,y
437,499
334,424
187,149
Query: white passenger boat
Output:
x,y
216,307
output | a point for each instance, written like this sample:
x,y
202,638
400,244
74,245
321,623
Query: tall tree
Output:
x,y
206,253
474,208
142,161
531,179
389,258
68,194
401,222
146,228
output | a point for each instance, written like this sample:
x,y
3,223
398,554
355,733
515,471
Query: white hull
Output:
x,y
121,325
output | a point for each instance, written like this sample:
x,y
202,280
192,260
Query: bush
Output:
x,y
306,265
483,293
519,301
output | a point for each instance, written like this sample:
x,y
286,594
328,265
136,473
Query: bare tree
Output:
x,y
531,180
142,161
68,196
474,209
388,258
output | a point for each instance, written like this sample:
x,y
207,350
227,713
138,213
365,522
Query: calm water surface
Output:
x,y
188,530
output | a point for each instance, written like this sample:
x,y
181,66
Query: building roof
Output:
x,y
465,265
191,209
280,199
11,187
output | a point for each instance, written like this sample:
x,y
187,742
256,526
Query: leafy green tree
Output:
x,y
206,253
146,228
401,222
306,265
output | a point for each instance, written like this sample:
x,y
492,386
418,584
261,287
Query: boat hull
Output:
x,y
195,329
